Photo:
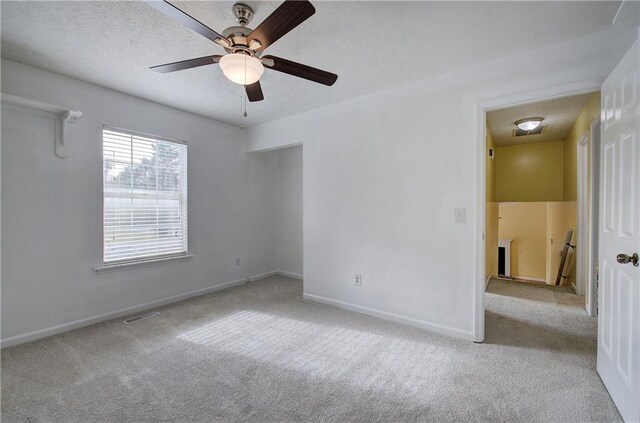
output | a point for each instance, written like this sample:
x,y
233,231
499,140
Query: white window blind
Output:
x,y
145,196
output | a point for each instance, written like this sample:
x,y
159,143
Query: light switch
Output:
x,y
460,215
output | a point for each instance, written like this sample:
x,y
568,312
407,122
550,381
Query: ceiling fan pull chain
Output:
x,y
245,91
243,108
241,117
243,100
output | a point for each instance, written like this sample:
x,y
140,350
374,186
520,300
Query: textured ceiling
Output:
x,y
370,45
559,114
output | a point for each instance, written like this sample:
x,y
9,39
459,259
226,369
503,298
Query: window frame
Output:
x,y
151,259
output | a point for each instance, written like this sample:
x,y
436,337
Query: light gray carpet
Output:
x,y
259,353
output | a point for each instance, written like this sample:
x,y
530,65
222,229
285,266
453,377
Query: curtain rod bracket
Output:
x,y
62,115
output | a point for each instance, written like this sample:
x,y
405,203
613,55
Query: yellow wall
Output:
x,y
530,172
491,216
543,177
526,224
561,216
581,125
538,230
491,170
555,232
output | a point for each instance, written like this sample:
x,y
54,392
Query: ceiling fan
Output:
x,y
244,63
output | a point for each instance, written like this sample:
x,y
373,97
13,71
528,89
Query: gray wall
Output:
x,y
51,208
289,211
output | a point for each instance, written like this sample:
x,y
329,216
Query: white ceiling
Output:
x,y
371,46
559,114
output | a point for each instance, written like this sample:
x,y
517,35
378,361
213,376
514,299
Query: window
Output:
x,y
145,196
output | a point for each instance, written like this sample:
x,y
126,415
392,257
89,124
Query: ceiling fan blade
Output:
x,y
300,70
287,16
186,64
185,19
254,92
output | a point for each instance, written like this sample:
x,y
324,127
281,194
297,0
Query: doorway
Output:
x,y
588,214
534,184
617,230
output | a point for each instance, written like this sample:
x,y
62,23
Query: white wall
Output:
x,y
289,211
383,174
51,208
287,200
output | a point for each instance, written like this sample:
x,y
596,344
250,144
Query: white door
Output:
x,y
619,284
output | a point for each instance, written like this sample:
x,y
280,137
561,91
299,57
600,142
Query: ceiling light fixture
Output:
x,y
528,124
241,68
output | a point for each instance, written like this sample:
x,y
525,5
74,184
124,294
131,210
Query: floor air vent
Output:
x,y
522,133
142,316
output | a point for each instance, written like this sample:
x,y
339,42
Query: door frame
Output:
x,y
482,107
584,211
591,271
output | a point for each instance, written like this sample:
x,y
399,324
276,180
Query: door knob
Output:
x,y
624,259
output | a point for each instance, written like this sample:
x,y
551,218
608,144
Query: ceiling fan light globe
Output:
x,y
241,68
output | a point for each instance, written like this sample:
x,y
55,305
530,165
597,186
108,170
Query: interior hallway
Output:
x,y
259,353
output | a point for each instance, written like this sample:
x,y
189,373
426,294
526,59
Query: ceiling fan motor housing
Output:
x,y
243,13
237,36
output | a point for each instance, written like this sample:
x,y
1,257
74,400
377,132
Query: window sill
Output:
x,y
112,267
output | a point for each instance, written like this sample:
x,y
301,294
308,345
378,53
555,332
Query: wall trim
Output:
x,y
65,327
290,274
115,267
261,276
528,278
409,321
486,283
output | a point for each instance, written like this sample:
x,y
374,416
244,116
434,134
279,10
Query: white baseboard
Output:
x,y
486,283
410,321
65,327
529,278
289,274
264,275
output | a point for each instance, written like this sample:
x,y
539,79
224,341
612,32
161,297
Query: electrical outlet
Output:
x,y
237,262
358,280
